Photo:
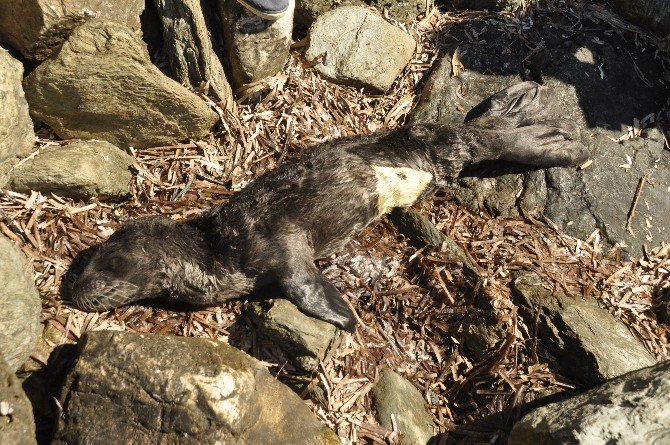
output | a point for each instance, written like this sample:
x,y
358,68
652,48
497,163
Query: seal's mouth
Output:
x,y
103,295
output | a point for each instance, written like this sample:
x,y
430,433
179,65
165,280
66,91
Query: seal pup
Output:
x,y
311,206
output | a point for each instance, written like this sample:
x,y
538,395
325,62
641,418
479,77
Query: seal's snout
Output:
x,y
100,295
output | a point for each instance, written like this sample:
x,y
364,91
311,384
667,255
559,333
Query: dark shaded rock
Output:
x,y
307,11
80,170
395,396
358,48
189,48
21,307
17,426
102,85
663,306
491,5
590,81
256,48
482,337
588,343
633,408
176,390
38,27
651,14
16,128
304,339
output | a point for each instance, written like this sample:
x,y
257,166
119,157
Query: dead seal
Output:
x,y
311,206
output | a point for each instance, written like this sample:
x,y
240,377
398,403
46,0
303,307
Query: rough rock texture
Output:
x,y
21,307
395,396
16,128
307,11
356,47
17,426
631,409
590,81
102,85
304,339
256,48
482,337
416,227
80,170
651,14
491,5
37,27
176,390
189,48
589,344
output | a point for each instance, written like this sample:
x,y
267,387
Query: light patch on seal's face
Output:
x,y
399,186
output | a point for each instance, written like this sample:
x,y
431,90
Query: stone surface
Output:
x,y
17,426
306,11
359,48
482,337
256,48
590,81
38,27
304,339
16,128
189,48
588,343
102,85
631,409
21,307
395,396
651,14
80,170
177,390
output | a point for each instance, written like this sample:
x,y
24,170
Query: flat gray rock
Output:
x,y
16,128
101,85
358,48
17,426
304,339
21,306
307,11
81,170
38,27
177,390
256,48
631,409
588,343
395,396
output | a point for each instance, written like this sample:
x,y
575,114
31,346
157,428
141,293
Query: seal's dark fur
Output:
x,y
309,207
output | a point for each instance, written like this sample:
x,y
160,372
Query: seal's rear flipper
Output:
x,y
317,297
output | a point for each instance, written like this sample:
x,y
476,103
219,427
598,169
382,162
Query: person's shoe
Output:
x,y
266,9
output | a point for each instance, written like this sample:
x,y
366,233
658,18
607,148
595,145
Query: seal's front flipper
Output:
x,y
317,297
522,104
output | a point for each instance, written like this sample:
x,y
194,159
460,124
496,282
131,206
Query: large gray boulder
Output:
x,y
631,409
37,27
80,170
307,11
590,81
102,85
651,14
588,343
16,128
256,48
176,390
356,47
189,48
17,426
21,307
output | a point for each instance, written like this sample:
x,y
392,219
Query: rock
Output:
x,y
631,409
21,307
651,14
589,81
170,390
482,337
102,85
304,339
307,11
37,27
81,170
17,426
589,344
189,48
395,396
256,48
361,48
491,5
16,128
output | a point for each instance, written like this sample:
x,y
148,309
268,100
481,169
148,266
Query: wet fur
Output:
x,y
311,206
